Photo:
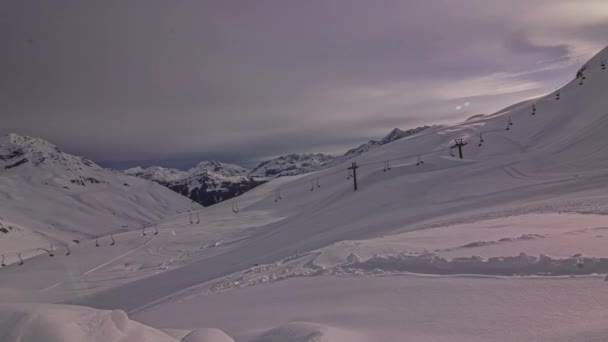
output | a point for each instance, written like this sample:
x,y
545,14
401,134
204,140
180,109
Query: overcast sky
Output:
x,y
175,81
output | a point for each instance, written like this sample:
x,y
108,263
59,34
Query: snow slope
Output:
x,y
55,197
428,252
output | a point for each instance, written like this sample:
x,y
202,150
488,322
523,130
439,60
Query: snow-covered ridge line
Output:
x,y
54,197
211,182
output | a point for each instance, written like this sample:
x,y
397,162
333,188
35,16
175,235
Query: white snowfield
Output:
x,y
54,198
507,244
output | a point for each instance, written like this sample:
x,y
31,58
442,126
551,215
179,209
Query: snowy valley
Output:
x,y
506,243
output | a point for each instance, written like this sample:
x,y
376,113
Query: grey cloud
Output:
x,y
164,80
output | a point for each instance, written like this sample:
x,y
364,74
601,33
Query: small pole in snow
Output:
x,y
354,169
459,143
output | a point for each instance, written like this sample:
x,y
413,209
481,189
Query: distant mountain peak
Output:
x,y
17,150
291,164
158,174
219,168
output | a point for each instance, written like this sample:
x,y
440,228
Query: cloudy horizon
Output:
x,y
171,83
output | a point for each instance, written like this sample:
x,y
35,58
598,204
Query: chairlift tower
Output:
x,y
354,171
459,143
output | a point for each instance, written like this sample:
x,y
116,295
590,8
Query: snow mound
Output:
x,y
65,323
308,332
207,335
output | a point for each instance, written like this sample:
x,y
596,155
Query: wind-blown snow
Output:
x,y
57,323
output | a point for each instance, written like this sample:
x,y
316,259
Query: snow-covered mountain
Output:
x,y
499,231
57,196
208,183
211,182
159,174
292,164
296,164
395,134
